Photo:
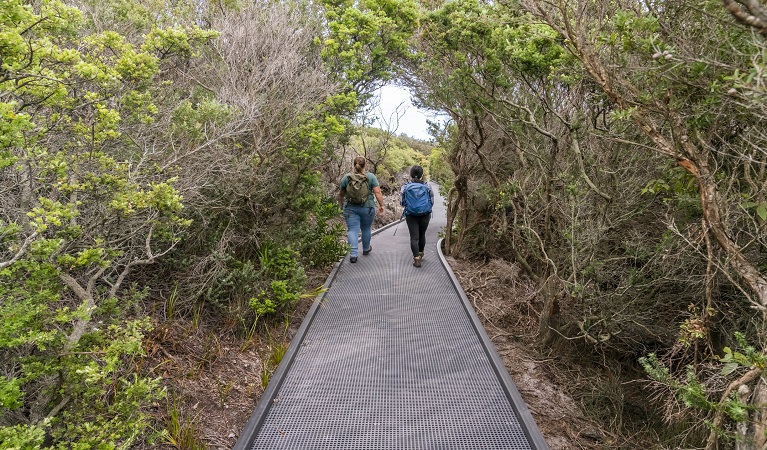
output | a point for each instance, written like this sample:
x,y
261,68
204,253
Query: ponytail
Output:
x,y
359,164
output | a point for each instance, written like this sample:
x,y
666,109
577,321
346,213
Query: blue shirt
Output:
x,y
372,183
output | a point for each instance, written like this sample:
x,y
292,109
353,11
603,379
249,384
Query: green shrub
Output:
x,y
439,169
400,157
318,243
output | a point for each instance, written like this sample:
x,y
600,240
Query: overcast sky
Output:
x,y
413,122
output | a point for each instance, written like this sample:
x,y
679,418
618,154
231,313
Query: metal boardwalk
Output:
x,y
392,357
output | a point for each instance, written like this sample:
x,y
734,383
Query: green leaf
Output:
x,y
730,368
761,211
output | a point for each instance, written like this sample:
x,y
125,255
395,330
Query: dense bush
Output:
x,y
614,152
133,137
81,211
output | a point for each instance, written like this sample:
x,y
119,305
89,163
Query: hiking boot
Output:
x,y
420,254
417,261
367,252
353,259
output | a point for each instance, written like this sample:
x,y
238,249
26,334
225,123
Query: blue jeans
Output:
x,y
358,218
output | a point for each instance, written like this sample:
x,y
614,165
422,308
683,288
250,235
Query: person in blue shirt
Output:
x,y
359,217
417,211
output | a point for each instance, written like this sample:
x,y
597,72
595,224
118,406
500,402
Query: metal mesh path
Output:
x,y
392,357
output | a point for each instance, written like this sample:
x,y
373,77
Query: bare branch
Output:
x,y
151,258
89,304
577,149
749,12
20,253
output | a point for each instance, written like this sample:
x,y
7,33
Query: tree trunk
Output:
x,y
450,218
457,193
751,433
549,320
759,419
710,202
548,194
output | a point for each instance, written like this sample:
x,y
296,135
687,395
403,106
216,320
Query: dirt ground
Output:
x,y
214,377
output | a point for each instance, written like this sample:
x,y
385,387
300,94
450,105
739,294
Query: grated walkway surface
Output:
x,y
391,358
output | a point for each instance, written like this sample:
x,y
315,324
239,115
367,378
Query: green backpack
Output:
x,y
357,189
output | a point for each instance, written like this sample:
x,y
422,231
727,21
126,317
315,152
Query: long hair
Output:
x,y
359,164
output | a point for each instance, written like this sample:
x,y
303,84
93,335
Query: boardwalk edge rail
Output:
x,y
533,434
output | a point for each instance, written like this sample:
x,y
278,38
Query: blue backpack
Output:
x,y
417,200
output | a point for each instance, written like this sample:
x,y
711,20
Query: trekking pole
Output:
x,y
400,221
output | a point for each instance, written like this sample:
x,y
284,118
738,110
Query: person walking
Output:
x,y
358,190
418,198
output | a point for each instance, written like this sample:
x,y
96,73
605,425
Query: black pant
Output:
x,y
417,226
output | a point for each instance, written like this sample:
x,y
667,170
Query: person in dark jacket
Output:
x,y
417,212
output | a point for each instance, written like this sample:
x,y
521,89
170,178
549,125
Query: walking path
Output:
x,y
392,357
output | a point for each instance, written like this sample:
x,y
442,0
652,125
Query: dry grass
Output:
x,y
214,375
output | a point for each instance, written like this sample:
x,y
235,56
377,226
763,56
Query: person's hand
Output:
x,y
380,209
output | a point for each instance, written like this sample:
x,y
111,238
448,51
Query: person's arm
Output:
x,y
342,190
379,197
